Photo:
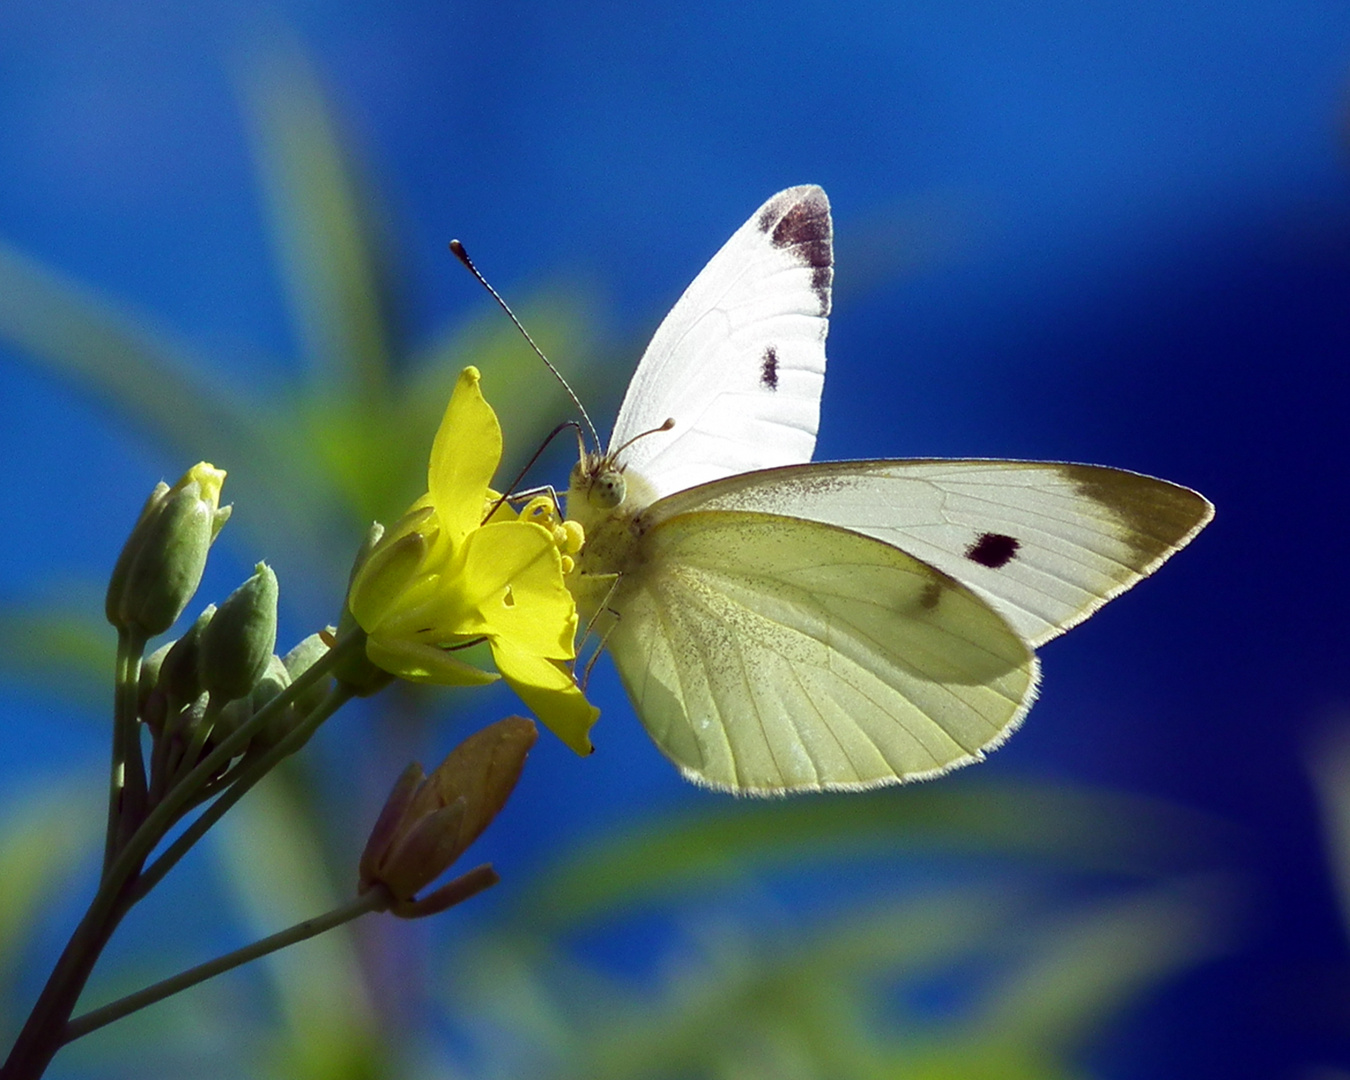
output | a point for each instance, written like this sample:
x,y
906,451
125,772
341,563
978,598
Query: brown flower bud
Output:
x,y
429,821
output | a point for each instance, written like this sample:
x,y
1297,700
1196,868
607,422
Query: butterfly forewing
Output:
x,y
768,654
1045,543
739,362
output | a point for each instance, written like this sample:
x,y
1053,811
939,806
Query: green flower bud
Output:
x,y
192,719
149,678
299,660
230,719
161,563
122,568
152,704
237,644
240,711
178,670
275,679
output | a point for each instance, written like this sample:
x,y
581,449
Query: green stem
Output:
x,y
249,774
376,899
40,1038
126,790
42,1032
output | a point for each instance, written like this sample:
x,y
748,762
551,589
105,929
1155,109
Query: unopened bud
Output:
x,y
299,660
237,644
230,719
192,720
149,677
152,704
241,710
428,822
178,676
161,564
275,679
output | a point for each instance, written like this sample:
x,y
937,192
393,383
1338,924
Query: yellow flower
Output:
x,y
442,578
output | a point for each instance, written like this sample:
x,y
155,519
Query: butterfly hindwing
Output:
x,y
768,654
739,362
1045,543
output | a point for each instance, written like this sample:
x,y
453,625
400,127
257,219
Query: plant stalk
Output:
x,y
376,899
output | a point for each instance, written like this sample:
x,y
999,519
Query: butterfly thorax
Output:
x,y
605,498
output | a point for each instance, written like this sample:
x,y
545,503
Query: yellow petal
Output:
x,y
512,578
547,687
464,456
501,509
417,662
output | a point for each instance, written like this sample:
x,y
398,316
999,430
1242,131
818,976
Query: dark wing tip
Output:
x,y
798,220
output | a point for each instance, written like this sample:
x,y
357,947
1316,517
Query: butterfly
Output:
x,y
782,625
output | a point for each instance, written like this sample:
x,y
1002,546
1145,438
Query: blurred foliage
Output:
x,y
1081,902
1009,976
278,878
48,829
61,645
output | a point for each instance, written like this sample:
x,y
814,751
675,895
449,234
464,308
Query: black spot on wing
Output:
x,y
993,550
804,227
768,372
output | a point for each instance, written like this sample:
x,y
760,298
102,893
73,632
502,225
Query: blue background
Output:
x,y
1116,233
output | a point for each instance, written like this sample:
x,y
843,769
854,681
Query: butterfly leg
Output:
x,y
585,679
530,493
601,609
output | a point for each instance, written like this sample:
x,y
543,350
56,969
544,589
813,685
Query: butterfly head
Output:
x,y
598,481
602,487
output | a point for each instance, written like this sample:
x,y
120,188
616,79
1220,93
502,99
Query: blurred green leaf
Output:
x,y
61,646
845,997
272,858
802,998
109,352
47,829
335,258
1088,966
726,841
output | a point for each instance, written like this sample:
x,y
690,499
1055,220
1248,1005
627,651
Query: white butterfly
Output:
x,y
785,626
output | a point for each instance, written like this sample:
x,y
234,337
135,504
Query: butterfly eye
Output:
x,y
607,489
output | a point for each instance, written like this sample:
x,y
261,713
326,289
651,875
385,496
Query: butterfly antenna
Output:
x,y
530,465
463,256
670,423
